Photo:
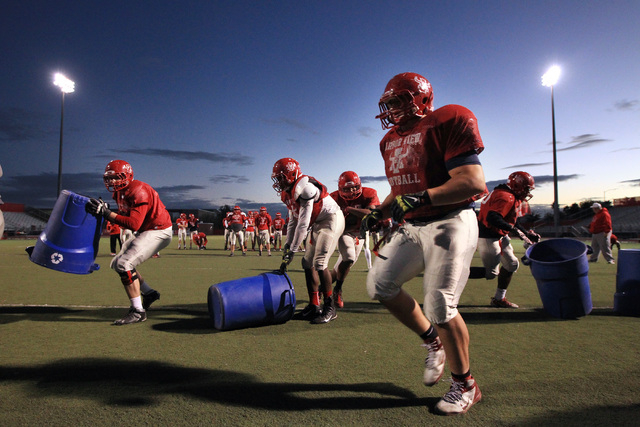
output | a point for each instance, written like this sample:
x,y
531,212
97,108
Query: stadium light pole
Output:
x,y
66,86
549,79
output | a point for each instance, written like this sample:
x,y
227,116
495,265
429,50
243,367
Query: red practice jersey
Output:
x,y
290,198
368,197
140,208
502,201
417,159
263,222
279,223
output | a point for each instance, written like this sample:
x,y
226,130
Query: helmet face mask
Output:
x,y
349,185
521,184
285,172
117,175
407,96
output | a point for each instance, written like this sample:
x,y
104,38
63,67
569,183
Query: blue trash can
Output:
x,y
561,268
268,298
70,240
626,300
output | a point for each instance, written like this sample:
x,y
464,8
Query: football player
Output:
x,y
193,229
182,222
237,223
250,231
278,226
263,223
311,210
432,165
200,240
351,196
227,232
498,217
139,209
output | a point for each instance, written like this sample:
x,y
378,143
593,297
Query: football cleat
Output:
x,y
434,362
133,316
461,396
502,303
327,315
309,312
150,298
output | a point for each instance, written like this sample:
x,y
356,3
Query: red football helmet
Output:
x,y
349,185
521,184
117,175
406,96
236,208
278,215
183,215
263,211
285,172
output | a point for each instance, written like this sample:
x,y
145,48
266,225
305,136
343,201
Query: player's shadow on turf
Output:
x,y
147,381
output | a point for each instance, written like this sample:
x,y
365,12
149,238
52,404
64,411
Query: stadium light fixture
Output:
x,y
66,86
549,79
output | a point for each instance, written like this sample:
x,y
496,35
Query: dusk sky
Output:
x,y
202,97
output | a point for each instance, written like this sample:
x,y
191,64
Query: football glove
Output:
x,y
370,220
533,236
408,202
524,237
97,207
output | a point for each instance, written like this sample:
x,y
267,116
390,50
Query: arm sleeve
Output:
x,y
497,220
304,218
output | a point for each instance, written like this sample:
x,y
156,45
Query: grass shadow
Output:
x,y
104,380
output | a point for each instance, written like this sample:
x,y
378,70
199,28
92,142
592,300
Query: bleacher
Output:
x,y
625,221
22,223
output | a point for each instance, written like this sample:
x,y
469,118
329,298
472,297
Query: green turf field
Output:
x,y
62,362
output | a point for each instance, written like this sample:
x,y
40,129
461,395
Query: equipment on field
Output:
x,y
561,268
626,300
268,298
69,242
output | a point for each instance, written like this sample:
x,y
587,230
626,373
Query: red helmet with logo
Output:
x,y
263,211
278,215
236,208
406,96
117,175
285,172
183,215
521,184
349,185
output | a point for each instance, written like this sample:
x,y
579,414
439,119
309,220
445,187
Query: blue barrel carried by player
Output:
x,y
626,300
268,298
561,268
70,240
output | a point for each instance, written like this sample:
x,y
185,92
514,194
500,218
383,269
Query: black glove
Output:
x,y
370,220
287,255
97,207
533,236
408,202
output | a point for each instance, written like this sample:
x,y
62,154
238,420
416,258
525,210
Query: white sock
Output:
x,y
137,303
500,293
367,255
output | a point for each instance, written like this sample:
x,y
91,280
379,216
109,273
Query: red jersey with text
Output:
x,y
278,223
368,197
251,224
416,159
263,222
502,201
237,221
140,208
182,222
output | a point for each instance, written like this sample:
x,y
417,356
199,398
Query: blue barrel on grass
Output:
x,y
561,270
268,298
70,240
626,300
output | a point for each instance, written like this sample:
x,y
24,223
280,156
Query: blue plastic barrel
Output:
x,y
70,240
626,300
268,298
561,268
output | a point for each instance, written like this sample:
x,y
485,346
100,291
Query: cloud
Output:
x,y
368,179
540,180
626,149
633,182
234,158
292,123
17,124
584,141
626,105
367,132
228,179
527,165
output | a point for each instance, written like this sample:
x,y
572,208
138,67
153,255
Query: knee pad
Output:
x,y
128,277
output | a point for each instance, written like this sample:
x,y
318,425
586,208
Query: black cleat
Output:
x,y
150,298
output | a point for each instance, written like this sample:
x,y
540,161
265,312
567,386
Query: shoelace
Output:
x,y
433,346
455,392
